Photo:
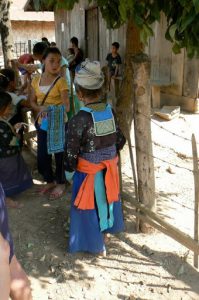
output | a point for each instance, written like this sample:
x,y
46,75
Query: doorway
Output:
x,y
92,33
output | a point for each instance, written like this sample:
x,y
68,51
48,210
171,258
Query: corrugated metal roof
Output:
x,y
17,13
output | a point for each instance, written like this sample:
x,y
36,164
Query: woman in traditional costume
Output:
x,y
93,142
14,173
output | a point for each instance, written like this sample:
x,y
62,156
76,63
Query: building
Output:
x,y
174,78
29,26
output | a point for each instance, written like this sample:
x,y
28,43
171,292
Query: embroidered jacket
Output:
x,y
81,138
8,141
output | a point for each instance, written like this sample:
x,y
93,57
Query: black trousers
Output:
x,y
44,160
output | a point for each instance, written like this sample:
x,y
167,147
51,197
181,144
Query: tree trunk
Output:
x,y
135,96
142,111
6,31
125,100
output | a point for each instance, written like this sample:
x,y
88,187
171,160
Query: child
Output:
x,y
75,104
25,59
38,51
49,100
8,84
114,61
70,55
45,40
78,58
53,44
93,141
14,174
13,280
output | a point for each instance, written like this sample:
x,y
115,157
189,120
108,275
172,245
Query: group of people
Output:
x,y
80,130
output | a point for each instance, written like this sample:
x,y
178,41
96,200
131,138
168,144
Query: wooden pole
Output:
x,y
29,47
157,222
142,127
134,176
16,70
196,185
72,93
20,49
120,172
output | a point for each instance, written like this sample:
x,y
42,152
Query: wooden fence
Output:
x,y
142,212
20,48
152,218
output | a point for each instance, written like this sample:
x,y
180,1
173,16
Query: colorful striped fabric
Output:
x,y
56,129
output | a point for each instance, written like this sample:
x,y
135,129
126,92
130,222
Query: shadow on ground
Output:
x,y
40,232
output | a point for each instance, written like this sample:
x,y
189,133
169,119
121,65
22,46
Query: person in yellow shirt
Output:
x,y
50,103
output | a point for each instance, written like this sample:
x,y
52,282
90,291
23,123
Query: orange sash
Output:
x,y
85,197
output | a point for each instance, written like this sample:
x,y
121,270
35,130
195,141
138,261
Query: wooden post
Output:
x,y
196,184
155,96
134,177
29,47
16,70
159,223
142,125
120,172
72,93
20,49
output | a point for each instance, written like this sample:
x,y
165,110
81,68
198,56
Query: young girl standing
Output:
x,y
49,100
93,142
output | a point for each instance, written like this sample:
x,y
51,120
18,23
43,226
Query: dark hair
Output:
x,y
74,41
51,50
5,100
90,94
39,48
116,45
53,44
44,39
6,76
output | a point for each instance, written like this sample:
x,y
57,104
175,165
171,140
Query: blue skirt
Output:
x,y
85,234
15,176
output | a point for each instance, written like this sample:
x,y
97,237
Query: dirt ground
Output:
x,y
137,266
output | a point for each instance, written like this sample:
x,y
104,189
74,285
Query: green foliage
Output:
x,y
54,4
182,18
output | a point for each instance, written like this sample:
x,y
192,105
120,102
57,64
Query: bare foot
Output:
x,y
57,192
102,254
46,188
107,238
13,204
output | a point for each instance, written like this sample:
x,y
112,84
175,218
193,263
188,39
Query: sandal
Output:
x,y
57,192
45,189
